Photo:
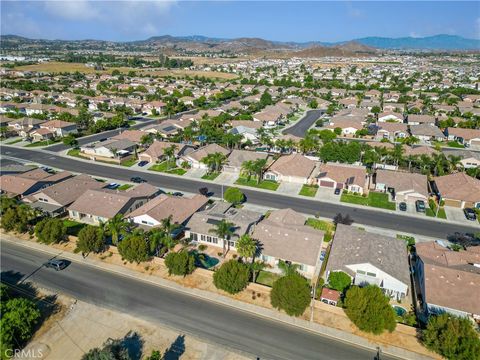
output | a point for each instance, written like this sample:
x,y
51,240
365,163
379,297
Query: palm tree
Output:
x,y
248,169
169,153
255,267
214,161
307,144
166,223
246,246
117,225
454,162
224,230
287,267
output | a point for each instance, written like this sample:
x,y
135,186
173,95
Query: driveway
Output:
x,y
227,178
289,188
456,214
195,173
326,194
302,125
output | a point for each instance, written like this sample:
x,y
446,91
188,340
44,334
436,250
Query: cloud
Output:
x,y
72,9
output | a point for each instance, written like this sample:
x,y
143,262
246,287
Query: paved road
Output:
x,y
103,135
302,126
215,323
416,225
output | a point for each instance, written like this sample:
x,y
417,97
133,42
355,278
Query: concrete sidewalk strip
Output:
x,y
223,300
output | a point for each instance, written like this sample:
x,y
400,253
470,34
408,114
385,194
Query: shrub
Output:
x,y
50,231
202,247
90,239
234,195
291,293
133,249
369,309
452,337
180,263
232,277
339,280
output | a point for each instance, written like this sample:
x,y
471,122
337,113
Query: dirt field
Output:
x,y
80,327
56,67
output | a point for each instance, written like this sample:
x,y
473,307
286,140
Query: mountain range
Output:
x,y
198,43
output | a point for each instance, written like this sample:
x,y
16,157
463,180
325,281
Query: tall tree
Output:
x,y
117,226
247,247
224,230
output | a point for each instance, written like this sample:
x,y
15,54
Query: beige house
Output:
x,y
402,186
294,168
156,151
237,157
194,158
343,176
458,190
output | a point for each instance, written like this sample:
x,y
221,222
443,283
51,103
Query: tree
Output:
x,y
291,293
255,268
50,231
232,276
313,104
214,161
288,268
16,216
223,230
452,337
169,153
180,263
134,248
70,140
369,309
339,280
111,350
90,239
234,195
117,225
246,246
342,219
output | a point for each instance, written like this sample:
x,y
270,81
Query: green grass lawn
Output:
x,y
125,187
308,190
42,143
13,141
164,167
442,214
328,227
455,144
267,278
211,176
73,227
264,184
374,199
129,162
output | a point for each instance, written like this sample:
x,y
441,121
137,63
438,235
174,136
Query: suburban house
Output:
x,y
284,236
41,134
24,126
237,157
26,183
427,132
370,258
155,152
343,176
449,281
391,131
390,116
169,128
55,198
194,158
458,190
348,124
294,168
468,137
99,206
153,107
402,186
180,209
131,135
201,225
413,119
111,149
248,133
59,128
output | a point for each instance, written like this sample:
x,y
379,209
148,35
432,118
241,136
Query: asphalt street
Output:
x,y
238,330
302,126
388,220
103,135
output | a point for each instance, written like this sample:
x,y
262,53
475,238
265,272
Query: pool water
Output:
x,y
205,261
400,311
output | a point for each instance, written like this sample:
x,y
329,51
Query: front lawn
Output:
x,y
308,190
264,184
129,162
211,176
73,227
42,143
75,152
442,214
169,168
125,187
374,199
267,278
455,144
13,141
328,227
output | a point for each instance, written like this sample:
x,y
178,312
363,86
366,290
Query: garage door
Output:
x,y
327,183
453,203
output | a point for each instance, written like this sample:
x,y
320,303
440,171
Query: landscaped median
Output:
x,y
373,199
263,184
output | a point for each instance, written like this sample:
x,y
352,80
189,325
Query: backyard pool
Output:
x,y
205,261
400,311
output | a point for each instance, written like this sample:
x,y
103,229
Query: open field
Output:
x,y
57,66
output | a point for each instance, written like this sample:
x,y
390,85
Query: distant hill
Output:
x,y
437,42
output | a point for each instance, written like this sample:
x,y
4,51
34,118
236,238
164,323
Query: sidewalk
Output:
x,y
323,330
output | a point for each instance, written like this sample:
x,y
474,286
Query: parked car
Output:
x,y
337,191
322,255
420,206
113,185
203,191
142,163
470,214
137,180
57,265
177,193
402,206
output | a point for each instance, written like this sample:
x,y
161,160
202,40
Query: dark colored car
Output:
x,y
470,214
337,191
203,191
402,206
142,163
420,205
177,193
137,180
56,264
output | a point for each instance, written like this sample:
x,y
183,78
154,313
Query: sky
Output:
x,y
272,20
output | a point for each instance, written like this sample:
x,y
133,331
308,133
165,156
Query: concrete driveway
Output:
x,y
456,214
289,188
227,178
195,173
327,194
